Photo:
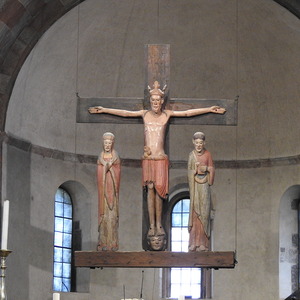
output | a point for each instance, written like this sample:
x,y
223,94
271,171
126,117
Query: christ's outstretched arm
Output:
x,y
198,111
116,112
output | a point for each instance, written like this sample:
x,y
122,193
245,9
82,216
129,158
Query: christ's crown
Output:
x,y
156,89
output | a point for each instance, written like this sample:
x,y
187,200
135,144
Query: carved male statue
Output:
x,y
201,173
155,161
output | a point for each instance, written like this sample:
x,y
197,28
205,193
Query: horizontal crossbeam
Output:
x,y
155,259
229,118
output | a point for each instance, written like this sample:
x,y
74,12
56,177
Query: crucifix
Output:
x,y
156,119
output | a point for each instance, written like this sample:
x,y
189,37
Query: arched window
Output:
x,y
289,215
193,283
183,281
62,254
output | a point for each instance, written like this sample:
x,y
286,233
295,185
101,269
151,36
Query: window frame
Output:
x,y
70,249
179,193
288,242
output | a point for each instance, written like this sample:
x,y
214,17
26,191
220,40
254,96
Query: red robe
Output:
x,y
108,177
200,200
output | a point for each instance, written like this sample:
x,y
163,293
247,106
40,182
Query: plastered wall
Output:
x,y
219,49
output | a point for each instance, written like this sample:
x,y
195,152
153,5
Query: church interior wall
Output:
x,y
249,63
254,53
288,240
246,205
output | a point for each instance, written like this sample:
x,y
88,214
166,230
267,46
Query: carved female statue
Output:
x,y
201,176
108,177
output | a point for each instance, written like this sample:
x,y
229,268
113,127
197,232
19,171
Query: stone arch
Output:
x,y
81,228
288,241
22,25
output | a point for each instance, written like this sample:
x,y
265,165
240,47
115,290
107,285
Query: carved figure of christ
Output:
x,y
155,122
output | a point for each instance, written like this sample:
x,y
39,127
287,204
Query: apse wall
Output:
x,y
219,49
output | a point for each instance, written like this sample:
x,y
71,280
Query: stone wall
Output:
x,y
218,50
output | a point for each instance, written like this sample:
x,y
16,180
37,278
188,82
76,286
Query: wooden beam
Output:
x,y
157,62
229,118
155,259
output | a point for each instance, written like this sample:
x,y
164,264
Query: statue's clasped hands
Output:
x,y
200,169
108,165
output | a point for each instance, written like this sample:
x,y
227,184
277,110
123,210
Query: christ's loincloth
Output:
x,y
157,171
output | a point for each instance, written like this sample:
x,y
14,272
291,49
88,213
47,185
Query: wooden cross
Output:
x,y
157,58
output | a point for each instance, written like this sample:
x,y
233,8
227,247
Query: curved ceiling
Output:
x,y
22,23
